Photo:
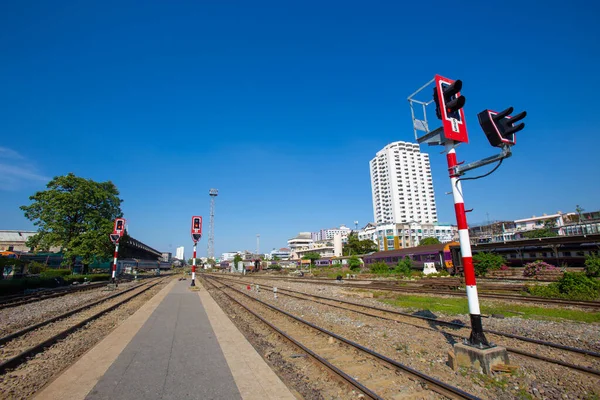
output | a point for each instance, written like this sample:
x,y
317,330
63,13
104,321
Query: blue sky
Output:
x,y
281,105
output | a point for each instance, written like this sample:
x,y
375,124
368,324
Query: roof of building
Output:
x,y
16,236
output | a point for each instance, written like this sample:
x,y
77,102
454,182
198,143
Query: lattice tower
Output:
x,y
211,229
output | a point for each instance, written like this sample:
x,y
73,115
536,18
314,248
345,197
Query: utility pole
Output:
x,y
257,243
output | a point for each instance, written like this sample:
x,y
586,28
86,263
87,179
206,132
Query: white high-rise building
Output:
x,y
179,253
402,186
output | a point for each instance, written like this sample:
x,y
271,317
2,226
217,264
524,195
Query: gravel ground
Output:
x,y
15,318
24,381
427,350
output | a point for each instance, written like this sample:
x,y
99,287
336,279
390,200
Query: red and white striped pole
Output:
x,y
477,337
114,267
194,266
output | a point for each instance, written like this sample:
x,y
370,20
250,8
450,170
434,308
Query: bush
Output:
x,y
545,290
275,267
52,273
35,267
404,266
572,286
592,266
90,278
354,263
380,268
578,286
484,262
535,268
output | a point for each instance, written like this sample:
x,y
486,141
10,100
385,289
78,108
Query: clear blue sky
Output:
x,y
281,105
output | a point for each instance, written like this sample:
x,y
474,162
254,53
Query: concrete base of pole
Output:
x,y
482,360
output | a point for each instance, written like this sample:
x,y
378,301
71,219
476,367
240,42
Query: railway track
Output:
x,y
17,300
582,360
394,287
371,373
20,346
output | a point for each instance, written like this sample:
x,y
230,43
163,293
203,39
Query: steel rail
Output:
x,y
443,388
30,328
456,325
391,288
320,359
23,356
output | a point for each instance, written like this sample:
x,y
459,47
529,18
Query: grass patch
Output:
x,y
452,306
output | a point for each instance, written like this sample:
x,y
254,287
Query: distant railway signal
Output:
x,y
118,230
196,232
196,228
499,127
449,105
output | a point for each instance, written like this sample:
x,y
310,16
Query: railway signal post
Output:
x,y
115,236
500,132
196,235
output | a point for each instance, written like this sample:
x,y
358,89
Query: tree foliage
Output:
x,y
485,262
356,246
592,266
236,259
404,266
429,241
540,233
76,214
354,263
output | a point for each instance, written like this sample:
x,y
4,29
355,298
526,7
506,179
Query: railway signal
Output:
x,y
499,127
196,232
449,105
115,236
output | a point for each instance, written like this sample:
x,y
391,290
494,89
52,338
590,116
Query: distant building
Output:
x,y
402,185
302,241
166,257
399,236
179,253
328,234
16,241
368,232
283,254
229,256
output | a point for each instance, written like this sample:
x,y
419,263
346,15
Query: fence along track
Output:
x,y
434,384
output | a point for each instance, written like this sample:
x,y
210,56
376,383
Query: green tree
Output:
x,y
236,259
275,258
380,268
312,257
485,262
592,266
540,233
428,241
404,266
354,263
76,214
356,246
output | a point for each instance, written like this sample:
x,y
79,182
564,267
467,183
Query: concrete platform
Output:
x,y
180,345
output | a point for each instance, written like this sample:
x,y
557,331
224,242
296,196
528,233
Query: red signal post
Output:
x,y
115,236
196,232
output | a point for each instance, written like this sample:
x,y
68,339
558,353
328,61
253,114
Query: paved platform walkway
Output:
x,y
184,348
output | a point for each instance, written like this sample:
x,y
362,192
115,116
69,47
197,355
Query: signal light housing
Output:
x,y
449,105
196,230
499,127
